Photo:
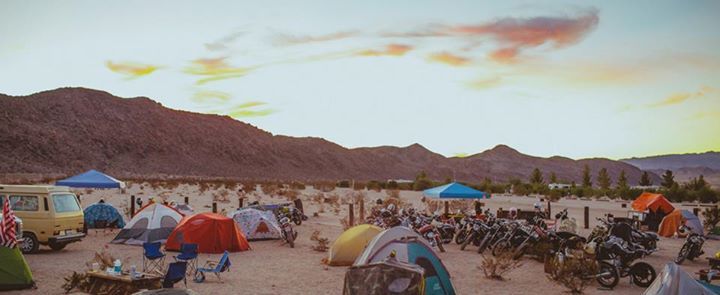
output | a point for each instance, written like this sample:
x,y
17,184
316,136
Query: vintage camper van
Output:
x,y
51,215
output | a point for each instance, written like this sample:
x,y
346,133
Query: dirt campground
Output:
x,y
273,268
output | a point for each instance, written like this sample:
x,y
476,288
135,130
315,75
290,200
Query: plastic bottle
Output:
x,y
133,271
118,266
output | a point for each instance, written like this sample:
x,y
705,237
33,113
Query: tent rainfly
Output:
x,y
91,179
454,190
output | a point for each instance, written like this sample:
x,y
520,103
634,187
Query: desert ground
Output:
x,y
273,268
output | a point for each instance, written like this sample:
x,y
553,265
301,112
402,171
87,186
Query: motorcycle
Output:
x,y
430,233
495,232
477,232
446,230
296,216
463,229
511,240
287,232
692,248
616,256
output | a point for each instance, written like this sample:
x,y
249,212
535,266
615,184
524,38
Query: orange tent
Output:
x,y
652,202
670,224
212,232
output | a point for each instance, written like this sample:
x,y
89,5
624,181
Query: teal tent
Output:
x,y
91,179
454,190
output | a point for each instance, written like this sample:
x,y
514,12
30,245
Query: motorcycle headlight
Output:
x,y
431,235
476,227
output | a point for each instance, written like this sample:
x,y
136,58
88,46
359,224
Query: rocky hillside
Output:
x,y
70,130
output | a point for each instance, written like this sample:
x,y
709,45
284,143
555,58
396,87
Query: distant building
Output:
x,y
559,186
646,187
400,180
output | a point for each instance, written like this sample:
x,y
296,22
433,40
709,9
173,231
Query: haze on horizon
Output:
x,y
605,79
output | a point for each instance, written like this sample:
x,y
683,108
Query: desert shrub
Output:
x,y
324,186
333,199
392,184
374,186
270,189
343,184
494,267
393,194
318,198
574,274
222,196
203,187
359,186
296,185
712,217
554,195
290,194
249,187
323,243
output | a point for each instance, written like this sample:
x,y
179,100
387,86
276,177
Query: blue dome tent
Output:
x,y
103,215
91,179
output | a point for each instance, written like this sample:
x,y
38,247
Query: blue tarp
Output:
x,y
103,212
454,190
91,179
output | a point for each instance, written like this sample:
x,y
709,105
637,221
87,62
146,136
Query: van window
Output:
x,y
2,199
65,203
24,203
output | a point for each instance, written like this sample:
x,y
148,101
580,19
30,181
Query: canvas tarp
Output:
x,y
153,223
674,281
103,214
213,233
652,202
256,224
14,271
385,277
348,246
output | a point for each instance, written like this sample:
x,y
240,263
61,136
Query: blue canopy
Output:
x,y
105,213
91,179
454,190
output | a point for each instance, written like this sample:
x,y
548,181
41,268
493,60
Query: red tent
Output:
x,y
652,202
213,233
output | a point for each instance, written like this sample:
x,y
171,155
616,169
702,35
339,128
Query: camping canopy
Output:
x,y
14,271
674,280
454,190
212,232
101,215
91,179
652,202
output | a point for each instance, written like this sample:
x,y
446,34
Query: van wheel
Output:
x,y
57,246
29,244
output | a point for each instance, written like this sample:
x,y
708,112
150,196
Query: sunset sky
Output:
x,y
579,79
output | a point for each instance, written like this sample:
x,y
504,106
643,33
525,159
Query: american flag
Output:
x,y
8,237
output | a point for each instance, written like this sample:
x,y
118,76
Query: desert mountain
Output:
x,y
684,166
69,130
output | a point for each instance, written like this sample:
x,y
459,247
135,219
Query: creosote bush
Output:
x,y
494,267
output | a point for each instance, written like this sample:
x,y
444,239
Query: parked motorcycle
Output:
x,y
463,229
495,232
616,256
296,216
431,234
477,232
446,230
288,234
693,246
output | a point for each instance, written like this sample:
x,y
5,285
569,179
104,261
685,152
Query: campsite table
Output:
x,y
104,283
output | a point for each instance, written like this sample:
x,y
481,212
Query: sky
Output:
x,y
577,78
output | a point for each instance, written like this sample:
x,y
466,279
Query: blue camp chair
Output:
x,y
175,273
215,267
153,258
189,254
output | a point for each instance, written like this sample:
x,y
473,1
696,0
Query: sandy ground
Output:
x,y
273,268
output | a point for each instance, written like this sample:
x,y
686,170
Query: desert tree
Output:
x,y
645,179
587,180
553,177
668,179
604,180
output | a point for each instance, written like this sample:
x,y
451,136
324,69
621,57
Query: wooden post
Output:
x,y
549,210
447,207
240,202
187,200
299,205
587,217
478,208
214,207
361,207
132,205
351,212
696,211
623,205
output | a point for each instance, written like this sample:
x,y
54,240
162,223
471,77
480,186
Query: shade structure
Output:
x,y
454,190
91,179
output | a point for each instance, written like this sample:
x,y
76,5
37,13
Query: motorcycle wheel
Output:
x,y
460,237
483,245
466,241
642,274
520,251
439,244
297,220
611,279
684,252
500,247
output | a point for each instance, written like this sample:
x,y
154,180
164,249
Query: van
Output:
x,y
51,215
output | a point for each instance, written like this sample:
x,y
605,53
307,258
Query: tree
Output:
x,y
696,184
668,179
553,177
536,176
587,181
421,182
604,179
645,179
622,181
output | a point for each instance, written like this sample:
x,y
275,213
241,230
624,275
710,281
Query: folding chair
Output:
x,y
214,267
153,258
175,273
189,254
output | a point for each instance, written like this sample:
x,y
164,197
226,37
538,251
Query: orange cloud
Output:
x,y
215,69
449,59
485,83
504,55
390,50
130,69
284,39
678,98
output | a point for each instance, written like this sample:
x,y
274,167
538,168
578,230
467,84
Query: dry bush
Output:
x,y
345,222
463,205
393,194
222,196
203,187
323,243
494,267
575,274
318,198
359,186
154,184
76,281
88,191
324,186
289,194
332,199
270,189
296,185
322,208
249,187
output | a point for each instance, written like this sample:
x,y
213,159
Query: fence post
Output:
x,y
240,202
351,217
361,207
132,205
696,211
587,217
447,207
299,205
214,207
549,210
187,200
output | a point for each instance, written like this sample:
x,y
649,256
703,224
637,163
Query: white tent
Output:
x,y
256,224
385,237
153,223
675,281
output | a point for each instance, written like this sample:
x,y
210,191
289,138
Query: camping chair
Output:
x,y
175,273
215,267
153,258
189,254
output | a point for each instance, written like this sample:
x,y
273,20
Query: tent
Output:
x,y
152,223
410,249
672,221
387,236
14,271
103,215
673,280
91,179
350,244
652,202
389,276
256,224
212,232
455,190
